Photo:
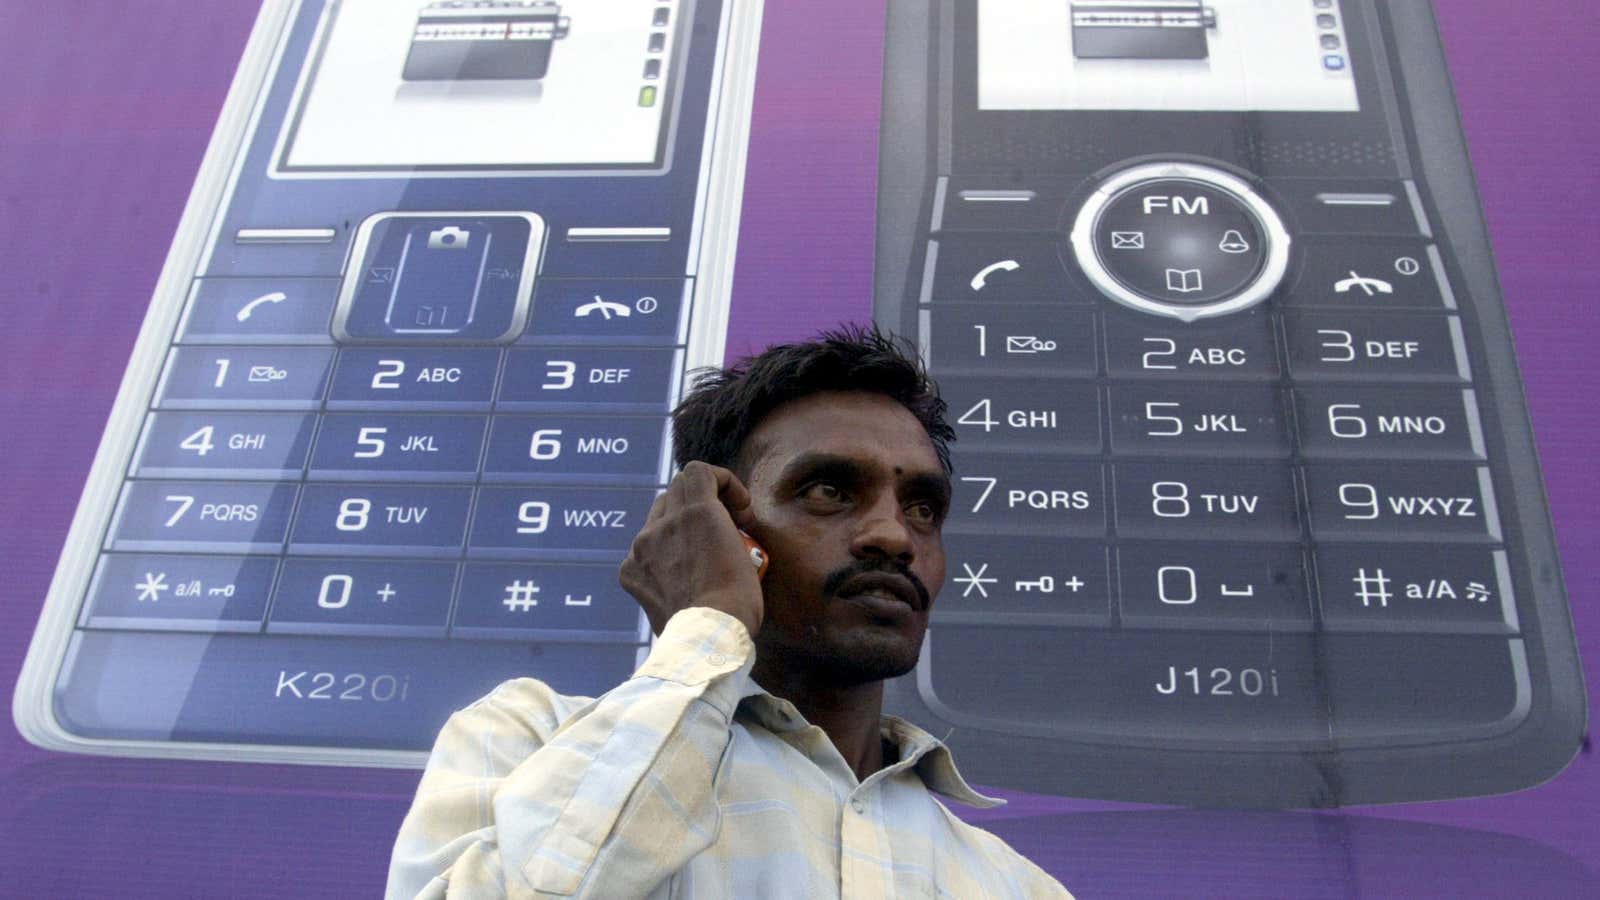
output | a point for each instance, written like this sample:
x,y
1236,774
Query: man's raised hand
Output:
x,y
689,552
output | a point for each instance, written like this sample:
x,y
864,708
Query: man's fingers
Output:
x,y
744,517
696,482
657,508
700,481
731,491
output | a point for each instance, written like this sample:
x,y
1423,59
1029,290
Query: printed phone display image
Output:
x,y
1247,511
1221,55
469,39
388,89
1165,30
400,400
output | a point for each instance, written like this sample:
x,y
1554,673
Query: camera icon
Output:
x,y
448,238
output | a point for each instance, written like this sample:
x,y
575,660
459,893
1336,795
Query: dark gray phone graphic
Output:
x,y
1247,508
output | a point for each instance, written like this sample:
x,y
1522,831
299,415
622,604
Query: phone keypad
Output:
x,y
1270,500
438,449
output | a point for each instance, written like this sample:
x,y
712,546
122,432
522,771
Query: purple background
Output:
x,y
105,110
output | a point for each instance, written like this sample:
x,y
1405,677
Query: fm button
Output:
x,y
1181,240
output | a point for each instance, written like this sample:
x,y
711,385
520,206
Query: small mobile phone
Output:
x,y
758,555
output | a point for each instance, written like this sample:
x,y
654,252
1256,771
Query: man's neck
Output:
x,y
850,715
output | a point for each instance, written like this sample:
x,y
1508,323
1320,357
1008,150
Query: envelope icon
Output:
x,y
1127,240
260,374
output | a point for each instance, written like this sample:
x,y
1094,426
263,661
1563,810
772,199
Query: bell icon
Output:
x,y
1234,242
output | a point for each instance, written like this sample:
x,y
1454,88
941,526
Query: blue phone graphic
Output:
x,y
401,395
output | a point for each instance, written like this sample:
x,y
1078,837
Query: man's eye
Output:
x,y
925,511
824,491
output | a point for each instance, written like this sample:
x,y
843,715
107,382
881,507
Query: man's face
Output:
x,y
850,500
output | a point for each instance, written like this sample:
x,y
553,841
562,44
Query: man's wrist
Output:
x,y
734,605
699,644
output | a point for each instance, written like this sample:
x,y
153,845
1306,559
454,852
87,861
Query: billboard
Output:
x,y
1416,698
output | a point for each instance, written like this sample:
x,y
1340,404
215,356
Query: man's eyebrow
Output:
x,y
849,470
929,485
810,465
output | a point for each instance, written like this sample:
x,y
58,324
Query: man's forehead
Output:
x,y
851,424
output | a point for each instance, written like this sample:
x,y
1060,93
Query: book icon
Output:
x,y
1185,281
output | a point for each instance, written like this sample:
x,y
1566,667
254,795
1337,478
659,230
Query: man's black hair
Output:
x,y
725,405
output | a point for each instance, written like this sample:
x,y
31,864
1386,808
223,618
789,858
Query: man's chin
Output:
x,y
844,656
873,658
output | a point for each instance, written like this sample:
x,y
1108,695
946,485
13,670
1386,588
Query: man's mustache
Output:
x,y
838,577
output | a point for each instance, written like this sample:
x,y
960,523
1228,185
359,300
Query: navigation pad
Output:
x,y
431,276
1181,240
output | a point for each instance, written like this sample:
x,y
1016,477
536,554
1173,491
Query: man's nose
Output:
x,y
883,532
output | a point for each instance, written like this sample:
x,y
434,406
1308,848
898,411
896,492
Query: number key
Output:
x,y
1024,495
1373,347
1216,501
1235,347
1242,420
388,598
1402,502
1368,423
414,379
381,520
1041,415
562,523
580,379
211,444
380,446
245,378
612,449
215,516
1010,340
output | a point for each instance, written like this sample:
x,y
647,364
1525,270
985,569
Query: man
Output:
x,y
748,757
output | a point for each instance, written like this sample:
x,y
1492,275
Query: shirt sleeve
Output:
x,y
531,794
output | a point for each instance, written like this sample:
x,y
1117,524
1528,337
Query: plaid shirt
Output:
x,y
688,781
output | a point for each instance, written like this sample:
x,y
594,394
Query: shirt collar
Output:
x,y
917,749
933,763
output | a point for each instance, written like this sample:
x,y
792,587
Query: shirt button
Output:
x,y
716,659
859,805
